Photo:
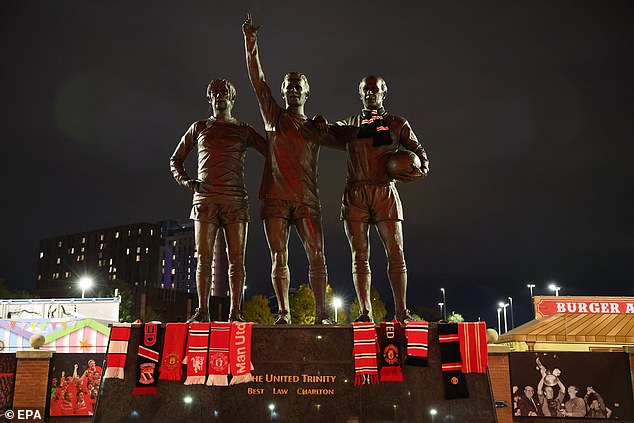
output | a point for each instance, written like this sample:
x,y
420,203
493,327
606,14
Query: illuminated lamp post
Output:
x,y
85,283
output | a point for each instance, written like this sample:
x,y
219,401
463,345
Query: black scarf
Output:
x,y
374,126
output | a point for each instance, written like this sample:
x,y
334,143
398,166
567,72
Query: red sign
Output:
x,y
547,306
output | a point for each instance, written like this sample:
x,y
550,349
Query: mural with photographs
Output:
x,y
571,384
74,384
8,364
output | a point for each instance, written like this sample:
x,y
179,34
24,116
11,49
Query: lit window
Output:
x,y
39,277
58,261
101,237
66,274
78,258
173,271
173,243
41,254
83,240
151,232
110,262
129,232
101,246
139,231
147,250
83,249
163,263
173,256
59,244
127,251
138,250
138,258
72,250
116,234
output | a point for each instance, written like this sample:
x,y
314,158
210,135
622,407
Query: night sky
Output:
x,y
526,111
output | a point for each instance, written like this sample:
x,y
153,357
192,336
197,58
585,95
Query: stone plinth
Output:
x,y
305,374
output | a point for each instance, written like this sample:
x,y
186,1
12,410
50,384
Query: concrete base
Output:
x,y
288,361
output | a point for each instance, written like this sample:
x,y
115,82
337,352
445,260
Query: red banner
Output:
x,y
547,306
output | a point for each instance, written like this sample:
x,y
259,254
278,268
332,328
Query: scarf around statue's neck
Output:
x,y
374,126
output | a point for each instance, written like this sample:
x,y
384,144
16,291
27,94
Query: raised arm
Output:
x,y
268,107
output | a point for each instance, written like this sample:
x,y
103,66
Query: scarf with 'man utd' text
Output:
x,y
391,351
240,352
148,357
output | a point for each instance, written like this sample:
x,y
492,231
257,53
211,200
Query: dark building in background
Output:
x,y
127,253
178,259
157,262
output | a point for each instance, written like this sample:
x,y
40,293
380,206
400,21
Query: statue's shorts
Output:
x,y
221,214
289,210
372,203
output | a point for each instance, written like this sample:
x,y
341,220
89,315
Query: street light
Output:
x,y
530,286
555,288
272,410
441,306
503,306
85,283
512,317
444,301
499,322
336,303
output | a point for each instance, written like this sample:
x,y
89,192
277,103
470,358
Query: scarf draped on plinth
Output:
x,y
148,357
364,353
117,350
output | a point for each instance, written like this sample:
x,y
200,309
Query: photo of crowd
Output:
x,y
582,385
8,364
74,386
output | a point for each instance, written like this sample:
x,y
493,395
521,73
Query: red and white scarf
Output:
x,y
218,360
240,352
364,353
417,334
117,350
197,344
173,351
473,346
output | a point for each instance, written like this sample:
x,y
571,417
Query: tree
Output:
x,y
127,299
379,311
455,317
7,293
302,303
151,314
257,309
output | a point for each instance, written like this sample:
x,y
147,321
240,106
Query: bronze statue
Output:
x,y
220,196
370,195
289,194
